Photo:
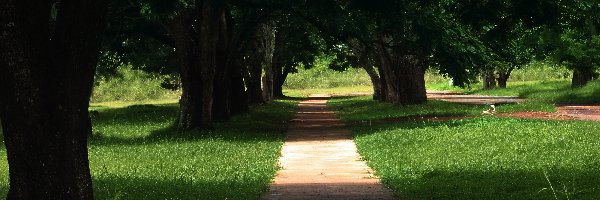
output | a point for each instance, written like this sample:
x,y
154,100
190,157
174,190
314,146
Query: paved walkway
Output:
x,y
320,161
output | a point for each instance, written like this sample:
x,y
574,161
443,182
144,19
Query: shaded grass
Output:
x,y
478,158
136,153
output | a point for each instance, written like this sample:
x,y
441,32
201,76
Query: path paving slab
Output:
x,y
319,160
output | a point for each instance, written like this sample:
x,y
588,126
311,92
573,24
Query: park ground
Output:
x,y
438,150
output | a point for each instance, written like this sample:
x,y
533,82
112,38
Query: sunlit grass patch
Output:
x,y
335,90
475,158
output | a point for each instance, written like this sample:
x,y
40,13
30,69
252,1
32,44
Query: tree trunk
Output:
x,y
212,19
197,54
267,38
253,83
382,81
375,80
221,106
280,71
190,111
489,79
279,77
238,98
46,79
581,77
404,76
261,55
503,76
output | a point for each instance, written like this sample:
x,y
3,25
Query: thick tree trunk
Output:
x,y
197,54
279,77
382,81
190,111
238,98
280,71
375,80
253,83
581,77
503,76
279,80
267,43
404,76
489,79
261,54
221,106
46,79
212,19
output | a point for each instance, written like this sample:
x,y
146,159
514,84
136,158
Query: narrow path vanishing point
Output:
x,y
320,161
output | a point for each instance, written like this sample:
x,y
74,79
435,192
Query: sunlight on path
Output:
x,y
320,160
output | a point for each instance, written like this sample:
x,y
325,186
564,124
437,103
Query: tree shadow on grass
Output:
x,y
115,187
579,97
262,123
499,184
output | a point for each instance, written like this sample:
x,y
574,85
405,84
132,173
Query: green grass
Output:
x,y
476,158
335,90
135,153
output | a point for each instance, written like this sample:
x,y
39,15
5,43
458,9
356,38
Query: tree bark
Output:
x,y
46,79
221,106
253,83
267,38
238,98
382,81
260,89
489,79
197,34
404,76
503,76
279,77
581,77
190,111
375,80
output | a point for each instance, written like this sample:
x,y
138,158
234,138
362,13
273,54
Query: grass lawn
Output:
x,y
556,91
335,90
476,158
550,91
136,154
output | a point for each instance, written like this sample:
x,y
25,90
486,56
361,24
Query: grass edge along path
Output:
x,y
475,158
135,153
319,159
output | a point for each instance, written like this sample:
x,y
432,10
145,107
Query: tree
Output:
x,y
576,41
48,55
296,44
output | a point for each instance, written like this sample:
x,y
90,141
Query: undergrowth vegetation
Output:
x,y
320,76
131,85
136,153
474,158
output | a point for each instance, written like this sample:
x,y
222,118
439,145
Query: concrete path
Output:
x,y
320,161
